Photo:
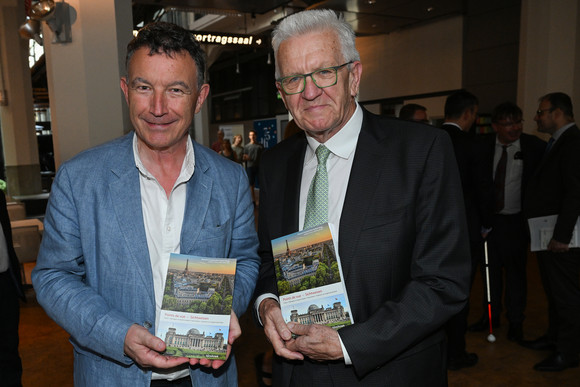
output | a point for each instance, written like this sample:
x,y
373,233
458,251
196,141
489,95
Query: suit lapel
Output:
x,y
126,198
291,205
359,193
199,189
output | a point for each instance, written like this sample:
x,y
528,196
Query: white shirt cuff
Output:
x,y
259,301
347,360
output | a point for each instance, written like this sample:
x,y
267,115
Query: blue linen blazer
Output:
x,y
93,275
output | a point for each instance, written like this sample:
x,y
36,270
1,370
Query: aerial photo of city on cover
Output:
x,y
196,307
309,280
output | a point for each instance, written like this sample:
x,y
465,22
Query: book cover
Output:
x,y
542,229
309,278
197,302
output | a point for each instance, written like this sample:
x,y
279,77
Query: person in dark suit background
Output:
x,y
414,112
555,190
508,241
460,114
10,291
392,191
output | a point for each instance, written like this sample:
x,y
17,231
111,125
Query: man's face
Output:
x,y
545,119
508,129
320,112
252,137
163,97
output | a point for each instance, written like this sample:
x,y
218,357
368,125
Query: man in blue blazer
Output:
x,y
117,211
393,189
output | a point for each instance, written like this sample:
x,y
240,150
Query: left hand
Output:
x,y
234,333
557,247
318,342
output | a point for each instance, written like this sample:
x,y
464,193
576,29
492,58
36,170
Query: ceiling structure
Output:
x,y
368,17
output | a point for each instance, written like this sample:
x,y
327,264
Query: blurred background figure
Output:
x,y
251,155
227,151
217,146
237,147
414,112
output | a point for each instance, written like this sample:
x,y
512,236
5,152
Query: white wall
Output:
x,y
420,60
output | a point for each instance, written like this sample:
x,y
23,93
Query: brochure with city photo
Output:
x,y
197,302
309,278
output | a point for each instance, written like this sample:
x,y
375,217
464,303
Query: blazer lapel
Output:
x,y
198,196
359,193
291,205
126,199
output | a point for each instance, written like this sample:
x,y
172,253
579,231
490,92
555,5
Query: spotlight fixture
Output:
x,y
57,16
31,30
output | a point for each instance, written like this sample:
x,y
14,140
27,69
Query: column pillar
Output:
x,y
17,125
86,102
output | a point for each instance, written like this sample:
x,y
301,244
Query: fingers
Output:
x,y
276,330
144,349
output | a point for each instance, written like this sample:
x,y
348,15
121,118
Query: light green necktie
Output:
x,y
317,201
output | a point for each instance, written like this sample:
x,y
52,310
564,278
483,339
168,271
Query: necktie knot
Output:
x,y
322,153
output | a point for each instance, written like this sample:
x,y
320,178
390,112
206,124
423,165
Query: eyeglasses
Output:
x,y
326,77
541,111
509,124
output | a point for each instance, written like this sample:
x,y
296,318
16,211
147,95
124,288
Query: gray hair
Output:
x,y
315,21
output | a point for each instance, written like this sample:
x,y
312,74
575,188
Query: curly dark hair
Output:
x,y
167,38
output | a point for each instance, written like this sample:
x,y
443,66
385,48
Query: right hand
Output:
x,y
144,349
276,329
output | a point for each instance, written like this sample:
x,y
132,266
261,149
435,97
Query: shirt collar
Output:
x,y
187,167
343,143
513,145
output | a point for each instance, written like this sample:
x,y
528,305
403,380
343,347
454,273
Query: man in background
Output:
x,y
460,115
391,189
117,212
217,145
513,157
414,112
555,190
251,155
10,292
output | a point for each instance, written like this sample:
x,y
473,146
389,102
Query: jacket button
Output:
x,y
147,324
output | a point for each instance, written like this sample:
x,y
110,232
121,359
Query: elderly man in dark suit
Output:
x,y
392,192
513,156
555,190
10,291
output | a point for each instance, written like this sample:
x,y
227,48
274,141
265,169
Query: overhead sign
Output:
x,y
225,39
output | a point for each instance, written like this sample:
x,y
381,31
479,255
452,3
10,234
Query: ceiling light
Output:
x,y
56,16
42,9
31,30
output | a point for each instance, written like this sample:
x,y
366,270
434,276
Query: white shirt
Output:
x,y
338,165
513,176
163,218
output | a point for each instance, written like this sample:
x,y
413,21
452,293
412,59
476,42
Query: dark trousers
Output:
x,y
456,326
183,382
10,363
507,253
560,273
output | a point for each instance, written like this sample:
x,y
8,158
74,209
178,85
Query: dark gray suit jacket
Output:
x,y
554,188
403,240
